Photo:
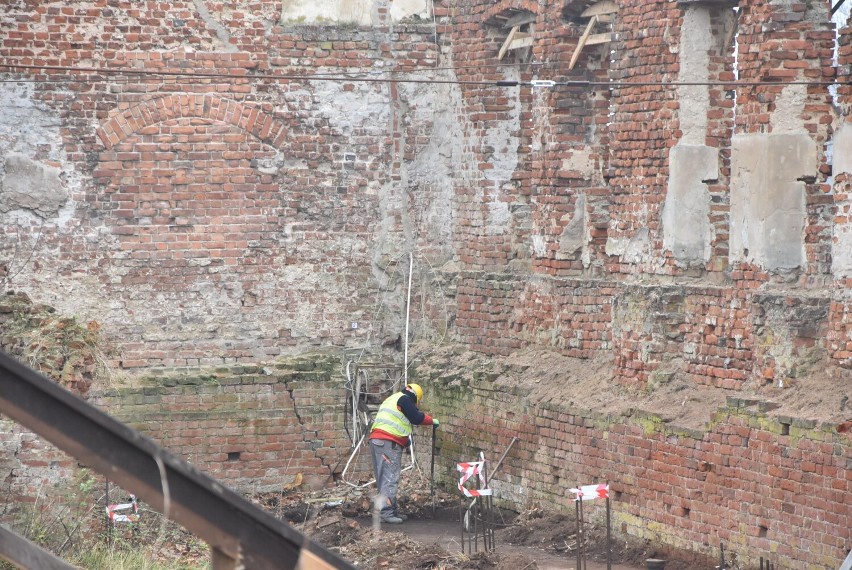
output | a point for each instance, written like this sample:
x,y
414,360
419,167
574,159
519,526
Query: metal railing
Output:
x,y
240,534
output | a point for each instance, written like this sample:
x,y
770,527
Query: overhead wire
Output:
x,y
341,77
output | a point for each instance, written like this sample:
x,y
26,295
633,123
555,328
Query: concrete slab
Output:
x,y
768,199
686,213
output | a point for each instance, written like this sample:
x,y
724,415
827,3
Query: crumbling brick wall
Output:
x,y
254,428
642,211
229,218
759,482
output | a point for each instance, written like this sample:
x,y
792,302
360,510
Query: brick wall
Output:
x,y
255,428
232,219
220,215
759,482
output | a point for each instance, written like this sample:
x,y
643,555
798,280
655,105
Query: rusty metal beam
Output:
x,y
231,525
24,554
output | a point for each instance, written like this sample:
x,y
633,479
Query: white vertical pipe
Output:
x,y
407,315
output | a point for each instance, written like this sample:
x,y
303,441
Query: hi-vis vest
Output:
x,y
390,419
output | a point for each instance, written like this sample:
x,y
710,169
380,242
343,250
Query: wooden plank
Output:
x,y
596,39
521,42
599,9
582,42
505,47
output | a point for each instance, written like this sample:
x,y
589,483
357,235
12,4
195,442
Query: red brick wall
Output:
x,y
255,428
762,485
234,218
792,43
219,215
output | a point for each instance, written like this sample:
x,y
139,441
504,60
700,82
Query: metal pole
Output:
x,y
608,538
407,316
486,515
432,471
109,519
583,533
577,512
461,519
476,526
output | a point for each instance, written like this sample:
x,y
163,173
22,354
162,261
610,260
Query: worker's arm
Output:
x,y
415,416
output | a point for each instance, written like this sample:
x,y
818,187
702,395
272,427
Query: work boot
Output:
x,y
399,515
391,519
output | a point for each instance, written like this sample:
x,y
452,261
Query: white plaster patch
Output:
x,y
31,185
29,131
574,236
365,106
842,144
498,213
539,246
767,201
632,250
787,116
501,140
694,100
841,253
686,213
580,161
361,12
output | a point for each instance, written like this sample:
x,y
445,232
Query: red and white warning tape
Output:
x,y
468,470
591,492
123,507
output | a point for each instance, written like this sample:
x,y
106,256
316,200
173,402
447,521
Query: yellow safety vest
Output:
x,y
390,420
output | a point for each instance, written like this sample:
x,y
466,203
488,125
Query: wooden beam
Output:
x,y
582,42
505,47
521,41
596,39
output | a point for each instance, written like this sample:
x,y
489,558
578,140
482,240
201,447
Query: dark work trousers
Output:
x,y
387,465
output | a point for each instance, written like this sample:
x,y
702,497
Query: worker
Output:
x,y
389,437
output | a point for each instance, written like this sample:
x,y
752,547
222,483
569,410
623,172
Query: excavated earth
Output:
x,y
340,519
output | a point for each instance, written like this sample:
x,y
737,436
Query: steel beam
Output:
x,y
232,525
25,554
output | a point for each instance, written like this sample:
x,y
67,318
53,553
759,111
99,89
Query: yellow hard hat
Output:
x,y
418,391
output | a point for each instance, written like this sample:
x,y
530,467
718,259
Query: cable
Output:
x,y
495,83
150,73
7,278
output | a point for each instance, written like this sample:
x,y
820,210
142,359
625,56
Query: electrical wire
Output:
x,y
433,81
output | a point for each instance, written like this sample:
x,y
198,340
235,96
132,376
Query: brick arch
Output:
x,y
255,122
512,6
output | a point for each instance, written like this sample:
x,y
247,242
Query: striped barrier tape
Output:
x,y
133,517
468,470
591,492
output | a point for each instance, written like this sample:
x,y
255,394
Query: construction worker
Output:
x,y
389,437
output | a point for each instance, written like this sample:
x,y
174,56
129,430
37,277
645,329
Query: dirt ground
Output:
x,y
340,519
822,392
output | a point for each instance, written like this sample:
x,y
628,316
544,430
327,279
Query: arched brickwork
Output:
x,y
146,114
188,189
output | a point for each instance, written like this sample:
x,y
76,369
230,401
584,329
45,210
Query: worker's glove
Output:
x,y
435,422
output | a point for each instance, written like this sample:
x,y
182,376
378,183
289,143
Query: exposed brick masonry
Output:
x,y
235,219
